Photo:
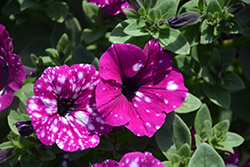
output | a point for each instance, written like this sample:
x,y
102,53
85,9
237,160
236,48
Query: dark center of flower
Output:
x,y
65,106
129,87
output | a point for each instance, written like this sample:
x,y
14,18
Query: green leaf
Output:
x,y
169,120
136,28
164,139
167,164
187,65
191,33
131,14
240,104
190,104
217,95
90,35
91,10
147,4
207,33
233,139
25,92
6,145
184,151
27,4
63,42
117,35
198,140
82,55
208,76
222,126
32,162
175,159
173,40
53,53
206,156
169,7
199,123
47,155
213,7
227,56
231,81
214,60
57,11
181,133
233,28
244,59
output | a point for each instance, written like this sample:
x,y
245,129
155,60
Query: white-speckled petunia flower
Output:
x,y
12,73
112,7
63,110
138,87
135,159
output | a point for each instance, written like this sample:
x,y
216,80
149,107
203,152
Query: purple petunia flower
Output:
x,y
138,87
134,159
63,109
12,73
112,7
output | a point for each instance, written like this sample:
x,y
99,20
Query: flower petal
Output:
x,y
107,163
121,61
159,61
146,117
169,93
137,159
113,106
6,97
16,72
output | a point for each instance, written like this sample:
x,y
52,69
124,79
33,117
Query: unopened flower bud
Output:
x,y
136,4
236,8
184,19
4,154
24,128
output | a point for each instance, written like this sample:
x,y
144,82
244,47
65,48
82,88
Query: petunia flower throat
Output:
x,y
63,110
138,87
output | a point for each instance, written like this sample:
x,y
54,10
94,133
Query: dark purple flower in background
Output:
x,y
24,128
184,19
138,87
233,159
12,73
4,154
135,159
63,110
112,7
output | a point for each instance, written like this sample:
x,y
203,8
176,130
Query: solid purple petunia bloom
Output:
x,y
138,87
112,7
135,159
63,110
12,73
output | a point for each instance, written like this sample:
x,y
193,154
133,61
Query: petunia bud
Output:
x,y
236,8
24,128
4,154
184,19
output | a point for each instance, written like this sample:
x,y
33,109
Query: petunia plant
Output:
x,y
133,83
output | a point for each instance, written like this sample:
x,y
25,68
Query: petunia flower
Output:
x,y
12,73
112,7
135,159
63,110
138,87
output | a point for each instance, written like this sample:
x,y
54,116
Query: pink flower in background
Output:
x,y
63,110
12,73
112,7
135,159
138,87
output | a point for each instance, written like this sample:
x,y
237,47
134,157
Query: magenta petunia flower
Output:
x,y
135,159
63,110
12,73
138,87
112,7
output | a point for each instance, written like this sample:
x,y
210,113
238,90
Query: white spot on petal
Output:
x,y
61,79
137,66
147,99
